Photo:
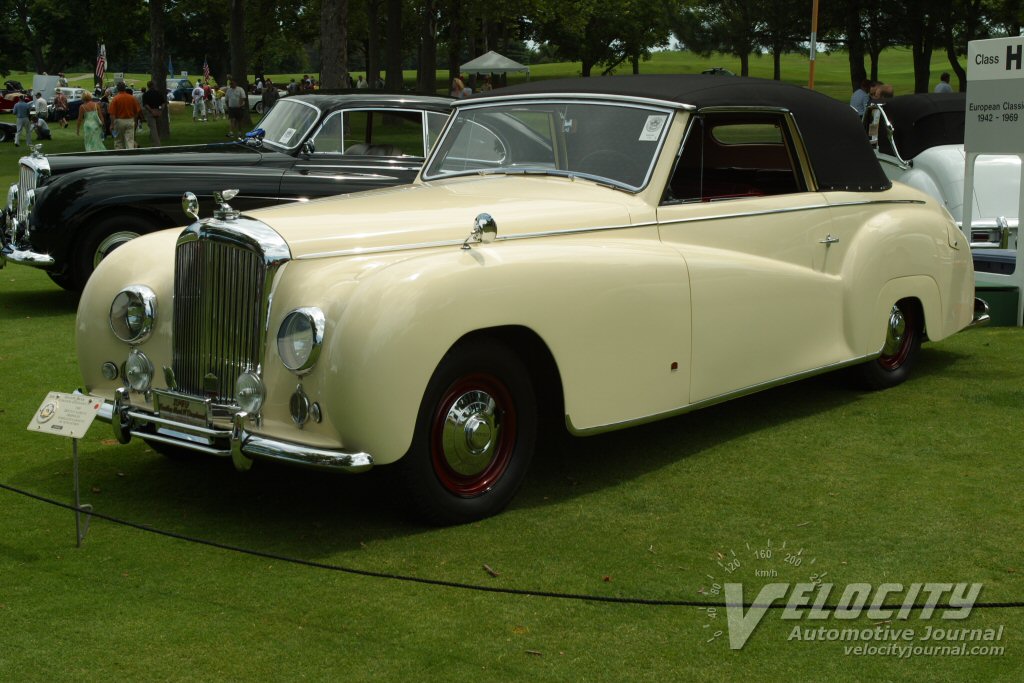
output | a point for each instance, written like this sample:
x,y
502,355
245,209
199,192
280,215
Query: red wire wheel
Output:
x,y
900,337
473,434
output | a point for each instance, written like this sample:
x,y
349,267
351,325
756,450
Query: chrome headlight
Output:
x,y
133,313
138,371
249,392
300,338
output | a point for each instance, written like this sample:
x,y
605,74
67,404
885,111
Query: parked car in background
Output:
x,y
8,100
717,71
601,251
69,211
919,140
7,131
181,91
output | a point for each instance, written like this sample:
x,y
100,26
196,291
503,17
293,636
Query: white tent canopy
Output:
x,y
493,63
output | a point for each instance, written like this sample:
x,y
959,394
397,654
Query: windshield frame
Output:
x,y
653,106
300,138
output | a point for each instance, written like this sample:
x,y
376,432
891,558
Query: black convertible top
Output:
x,y
923,121
836,143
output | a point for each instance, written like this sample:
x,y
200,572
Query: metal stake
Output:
x,y
81,529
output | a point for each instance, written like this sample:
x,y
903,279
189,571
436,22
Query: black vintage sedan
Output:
x,y
68,211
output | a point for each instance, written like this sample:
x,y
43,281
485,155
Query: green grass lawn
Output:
x,y
920,483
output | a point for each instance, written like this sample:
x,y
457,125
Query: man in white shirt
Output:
x,y
237,101
943,84
198,103
40,105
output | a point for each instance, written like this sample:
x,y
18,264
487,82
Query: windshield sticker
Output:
x,y
286,136
652,129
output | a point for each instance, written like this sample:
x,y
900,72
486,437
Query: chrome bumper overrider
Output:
x,y
981,316
237,443
10,252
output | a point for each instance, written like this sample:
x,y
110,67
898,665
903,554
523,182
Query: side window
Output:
x,y
435,124
732,156
328,140
388,133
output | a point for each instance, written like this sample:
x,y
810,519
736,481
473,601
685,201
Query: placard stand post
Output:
x,y
81,529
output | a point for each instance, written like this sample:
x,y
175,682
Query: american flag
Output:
x,y
206,69
101,62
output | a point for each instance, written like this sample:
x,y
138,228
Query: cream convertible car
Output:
x,y
618,249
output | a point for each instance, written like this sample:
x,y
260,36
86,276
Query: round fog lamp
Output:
x,y
138,371
249,392
299,339
132,314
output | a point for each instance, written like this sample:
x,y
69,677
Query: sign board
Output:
x,y
44,84
67,415
995,96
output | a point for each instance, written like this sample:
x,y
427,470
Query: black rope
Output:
x,y
456,584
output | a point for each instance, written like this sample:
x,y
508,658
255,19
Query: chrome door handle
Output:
x,y
829,239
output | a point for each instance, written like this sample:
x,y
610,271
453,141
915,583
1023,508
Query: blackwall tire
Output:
x,y
903,336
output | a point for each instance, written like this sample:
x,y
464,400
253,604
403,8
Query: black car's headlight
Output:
x,y
300,338
132,314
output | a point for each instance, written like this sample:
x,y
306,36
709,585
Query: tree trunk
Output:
x,y
636,63
777,65
29,36
393,59
586,67
334,44
239,68
455,41
922,52
426,79
158,59
373,42
873,56
954,60
855,46
744,64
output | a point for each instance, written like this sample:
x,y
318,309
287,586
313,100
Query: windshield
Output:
x,y
617,143
288,123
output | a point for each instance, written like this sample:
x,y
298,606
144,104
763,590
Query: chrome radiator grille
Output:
x,y
26,182
218,315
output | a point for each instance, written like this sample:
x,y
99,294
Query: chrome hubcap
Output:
x,y
895,333
110,243
470,432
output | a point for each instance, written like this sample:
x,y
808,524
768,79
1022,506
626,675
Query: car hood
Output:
x,y
221,154
425,214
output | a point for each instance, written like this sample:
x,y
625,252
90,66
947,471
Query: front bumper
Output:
x,y
981,313
237,443
10,252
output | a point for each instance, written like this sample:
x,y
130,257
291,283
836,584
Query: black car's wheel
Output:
x,y
258,108
903,333
109,234
3,134
474,436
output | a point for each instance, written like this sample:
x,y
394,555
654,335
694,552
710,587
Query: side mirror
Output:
x,y
308,147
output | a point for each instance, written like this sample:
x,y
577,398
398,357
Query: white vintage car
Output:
x,y
919,140
610,250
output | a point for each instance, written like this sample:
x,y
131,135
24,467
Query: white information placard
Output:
x,y
67,415
995,96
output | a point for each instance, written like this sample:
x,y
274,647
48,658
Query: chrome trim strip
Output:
x,y
356,176
721,398
382,167
179,426
504,99
357,251
191,445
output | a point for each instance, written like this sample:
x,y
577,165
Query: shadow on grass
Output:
x,y
309,514
42,303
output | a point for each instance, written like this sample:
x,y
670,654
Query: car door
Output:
x,y
361,149
741,209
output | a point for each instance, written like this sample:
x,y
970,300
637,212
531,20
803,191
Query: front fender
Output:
x,y
615,318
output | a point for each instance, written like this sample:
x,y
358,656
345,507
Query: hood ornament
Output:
x,y
484,231
223,211
37,151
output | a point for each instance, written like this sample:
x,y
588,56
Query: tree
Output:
x,y
917,25
334,44
158,60
729,26
426,76
393,55
581,30
239,66
784,26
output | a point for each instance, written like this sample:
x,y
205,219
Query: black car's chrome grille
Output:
x,y
26,181
218,315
